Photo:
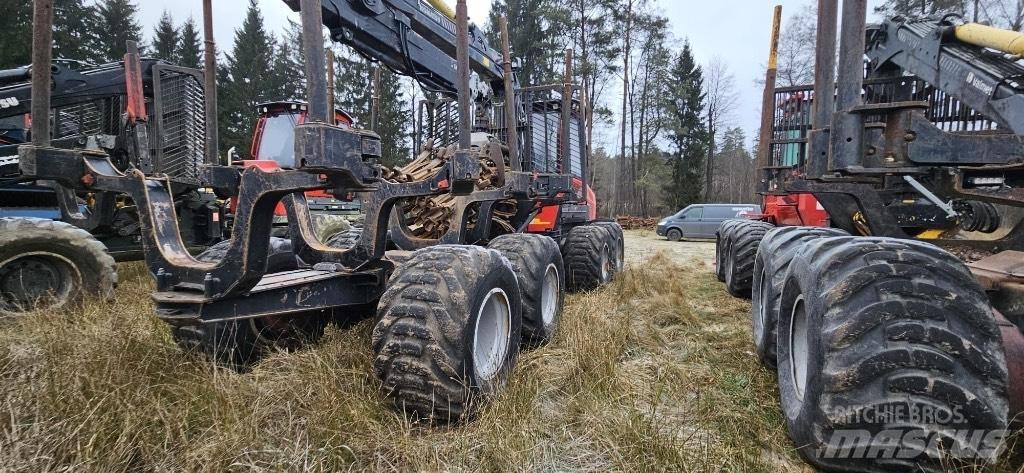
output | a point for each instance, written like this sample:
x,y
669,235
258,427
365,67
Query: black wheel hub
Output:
x,y
27,281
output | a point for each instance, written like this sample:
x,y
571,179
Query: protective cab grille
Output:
x,y
541,145
793,105
178,139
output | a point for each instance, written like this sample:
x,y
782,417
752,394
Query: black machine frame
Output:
x,y
888,125
336,159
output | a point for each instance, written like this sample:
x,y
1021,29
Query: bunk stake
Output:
x,y
313,47
768,103
511,121
42,61
210,77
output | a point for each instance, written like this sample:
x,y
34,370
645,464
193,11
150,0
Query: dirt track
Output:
x,y
641,245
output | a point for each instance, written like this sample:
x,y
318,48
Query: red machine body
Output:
x,y
548,217
793,209
273,141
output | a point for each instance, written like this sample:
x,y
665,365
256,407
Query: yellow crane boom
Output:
x,y
443,7
1009,42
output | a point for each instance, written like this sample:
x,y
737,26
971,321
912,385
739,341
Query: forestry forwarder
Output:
x,y
891,353
58,245
451,315
273,147
53,238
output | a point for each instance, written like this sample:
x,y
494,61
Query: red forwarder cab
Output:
x,y
273,147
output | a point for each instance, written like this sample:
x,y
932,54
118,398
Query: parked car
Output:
x,y
702,220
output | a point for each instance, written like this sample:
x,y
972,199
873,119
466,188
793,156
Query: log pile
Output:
x,y
637,223
431,217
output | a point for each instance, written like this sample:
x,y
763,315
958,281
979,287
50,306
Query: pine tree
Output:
x,y
737,179
71,40
166,39
190,49
393,124
684,106
922,7
352,78
533,36
246,80
289,65
16,35
116,24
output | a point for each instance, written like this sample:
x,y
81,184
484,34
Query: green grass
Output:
x,y
654,373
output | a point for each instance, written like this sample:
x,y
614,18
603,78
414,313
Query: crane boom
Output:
x,y
414,38
954,59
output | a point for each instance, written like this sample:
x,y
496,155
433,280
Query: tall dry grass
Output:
x,y
653,373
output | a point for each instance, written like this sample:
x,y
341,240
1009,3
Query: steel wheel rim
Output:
x,y
549,296
271,329
40,275
605,273
759,317
718,255
491,335
620,262
798,347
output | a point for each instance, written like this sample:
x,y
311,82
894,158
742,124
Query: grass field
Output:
x,y
653,373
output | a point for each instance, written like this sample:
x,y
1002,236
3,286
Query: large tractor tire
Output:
x,y
723,236
741,251
328,225
619,239
47,264
588,255
888,351
537,262
242,343
448,331
344,240
773,257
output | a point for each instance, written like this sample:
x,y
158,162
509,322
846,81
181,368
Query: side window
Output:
x,y
719,212
693,213
575,150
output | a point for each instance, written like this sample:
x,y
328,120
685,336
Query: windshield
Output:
x,y
278,140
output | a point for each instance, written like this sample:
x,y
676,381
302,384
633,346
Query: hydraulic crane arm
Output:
x,y
412,37
70,85
955,59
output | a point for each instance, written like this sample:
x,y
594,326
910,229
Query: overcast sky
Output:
x,y
737,31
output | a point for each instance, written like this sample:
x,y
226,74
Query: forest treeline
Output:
x,y
668,124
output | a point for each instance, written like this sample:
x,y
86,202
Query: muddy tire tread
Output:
x,y
99,277
904,322
530,256
774,255
741,254
582,255
418,343
236,345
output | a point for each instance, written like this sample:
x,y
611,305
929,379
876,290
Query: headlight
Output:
x,y
663,222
